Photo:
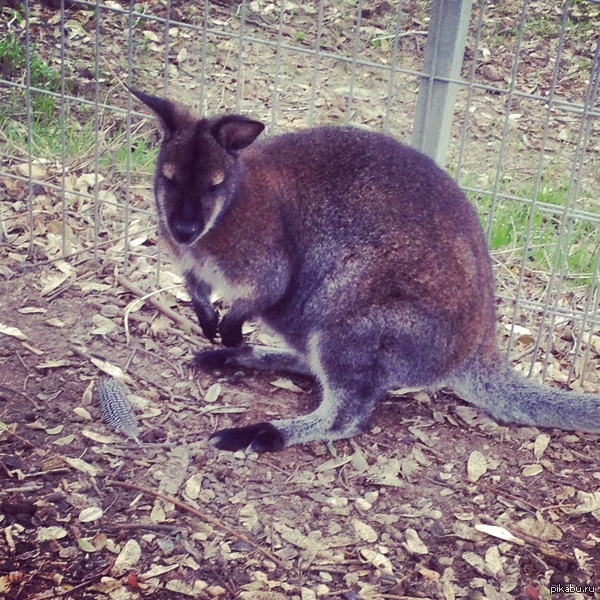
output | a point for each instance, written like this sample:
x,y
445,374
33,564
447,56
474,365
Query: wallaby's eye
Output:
x,y
168,171
216,180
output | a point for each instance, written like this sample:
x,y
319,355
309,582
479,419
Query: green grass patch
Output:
x,y
508,225
13,65
78,143
143,152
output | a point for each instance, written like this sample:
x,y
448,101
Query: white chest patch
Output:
x,y
208,270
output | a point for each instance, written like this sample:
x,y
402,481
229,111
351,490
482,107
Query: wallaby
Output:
x,y
359,251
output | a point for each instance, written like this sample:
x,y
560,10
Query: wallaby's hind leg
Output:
x,y
350,390
264,358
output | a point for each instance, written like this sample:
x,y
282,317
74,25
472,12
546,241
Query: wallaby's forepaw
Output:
x,y
209,324
231,338
261,437
231,331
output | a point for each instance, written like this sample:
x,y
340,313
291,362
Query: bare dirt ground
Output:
x,y
393,513
435,501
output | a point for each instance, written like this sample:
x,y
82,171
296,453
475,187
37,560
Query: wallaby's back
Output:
x,y
377,224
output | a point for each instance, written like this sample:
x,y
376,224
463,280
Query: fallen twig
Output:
x,y
201,515
165,310
501,492
10,390
84,584
545,548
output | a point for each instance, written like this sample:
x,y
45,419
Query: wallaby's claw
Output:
x,y
261,437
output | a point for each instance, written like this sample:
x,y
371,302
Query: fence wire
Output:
x,y
77,151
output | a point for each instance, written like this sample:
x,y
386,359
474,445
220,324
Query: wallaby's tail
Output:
x,y
511,398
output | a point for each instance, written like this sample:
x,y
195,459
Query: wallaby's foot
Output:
x,y
261,437
349,393
318,426
214,359
263,358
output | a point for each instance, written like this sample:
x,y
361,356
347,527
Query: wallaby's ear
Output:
x,y
164,109
235,133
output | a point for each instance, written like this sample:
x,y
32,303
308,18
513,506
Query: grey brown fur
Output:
x,y
366,258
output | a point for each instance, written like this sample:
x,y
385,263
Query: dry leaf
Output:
x,y
86,545
92,513
287,384
81,465
127,559
532,470
385,472
28,310
56,322
499,532
475,561
195,590
364,531
52,281
213,393
157,514
175,470
64,441
55,430
540,445
99,437
13,332
476,466
193,486
589,503
248,516
82,412
494,562
182,56
111,370
157,571
151,35
359,462
104,325
413,542
46,534
54,364
334,463
36,171
32,349
378,560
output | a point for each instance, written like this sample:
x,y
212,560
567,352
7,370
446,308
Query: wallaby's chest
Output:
x,y
208,270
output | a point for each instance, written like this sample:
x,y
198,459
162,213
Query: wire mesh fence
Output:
x,y
77,153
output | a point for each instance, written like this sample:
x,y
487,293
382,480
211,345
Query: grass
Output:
x,y
511,220
47,135
142,152
13,63
80,146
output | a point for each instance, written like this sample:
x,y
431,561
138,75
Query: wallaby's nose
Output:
x,y
185,232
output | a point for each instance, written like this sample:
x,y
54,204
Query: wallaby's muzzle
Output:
x,y
184,232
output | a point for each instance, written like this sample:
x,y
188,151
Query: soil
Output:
x,y
435,501
392,513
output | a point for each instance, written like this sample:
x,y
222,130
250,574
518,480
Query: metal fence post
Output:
x,y
444,52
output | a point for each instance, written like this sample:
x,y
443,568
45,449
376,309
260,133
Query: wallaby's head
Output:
x,y
197,173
